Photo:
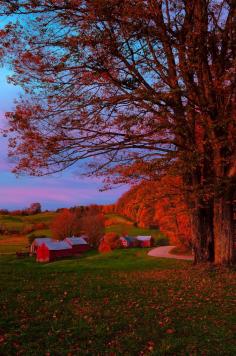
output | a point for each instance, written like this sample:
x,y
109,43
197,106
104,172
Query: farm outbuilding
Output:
x,y
128,241
38,242
145,241
78,244
51,251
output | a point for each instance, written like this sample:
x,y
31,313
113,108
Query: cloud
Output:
x,y
53,197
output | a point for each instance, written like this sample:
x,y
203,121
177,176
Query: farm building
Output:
x,y
144,241
85,237
38,242
78,244
51,251
128,241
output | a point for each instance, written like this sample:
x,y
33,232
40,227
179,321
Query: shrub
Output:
x,y
28,229
40,226
162,241
104,247
112,239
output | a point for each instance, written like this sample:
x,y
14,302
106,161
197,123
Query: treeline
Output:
x,y
157,205
79,220
35,208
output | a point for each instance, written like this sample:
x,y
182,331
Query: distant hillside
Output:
x,y
158,204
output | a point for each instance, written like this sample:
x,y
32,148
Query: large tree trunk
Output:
x,y
224,229
202,233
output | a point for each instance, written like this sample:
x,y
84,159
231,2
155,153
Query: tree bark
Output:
x,y
202,233
224,229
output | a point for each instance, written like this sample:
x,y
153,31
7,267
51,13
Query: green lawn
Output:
x,y
18,222
123,225
11,243
123,303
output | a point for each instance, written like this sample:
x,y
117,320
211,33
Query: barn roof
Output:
x,y
58,245
143,238
76,241
40,240
129,239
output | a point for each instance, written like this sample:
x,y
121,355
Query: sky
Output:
x,y
61,190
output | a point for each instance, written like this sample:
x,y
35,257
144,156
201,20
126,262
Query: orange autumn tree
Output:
x,y
65,224
159,204
130,81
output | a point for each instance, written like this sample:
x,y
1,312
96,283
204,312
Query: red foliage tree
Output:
x,y
104,247
127,81
93,226
112,239
65,224
159,204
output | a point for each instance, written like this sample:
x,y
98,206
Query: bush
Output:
x,y
28,229
162,241
112,239
104,247
40,226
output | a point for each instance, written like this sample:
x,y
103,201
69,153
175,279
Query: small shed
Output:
x,y
38,242
51,251
145,241
128,241
85,237
78,244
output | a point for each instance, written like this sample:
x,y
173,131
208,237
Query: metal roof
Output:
x,y
40,240
143,238
58,245
76,241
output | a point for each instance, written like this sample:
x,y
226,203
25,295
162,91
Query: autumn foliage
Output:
x,y
65,224
93,227
141,89
112,239
104,247
160,205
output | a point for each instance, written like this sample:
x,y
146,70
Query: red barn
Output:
x,y
144,241
128,241
38,242
78,244
51,251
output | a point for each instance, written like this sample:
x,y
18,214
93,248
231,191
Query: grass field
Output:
x,y
11,244
123,303
123,225
19,241
17,223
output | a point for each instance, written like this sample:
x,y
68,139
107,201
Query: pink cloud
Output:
x,y
59,196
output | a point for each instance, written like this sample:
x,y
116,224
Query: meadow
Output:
x,y
18,227
122,303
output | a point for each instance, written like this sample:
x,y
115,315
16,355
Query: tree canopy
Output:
x,y
138,87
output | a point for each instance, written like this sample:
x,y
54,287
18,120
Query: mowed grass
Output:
x,y
18,222
20,242
122,303
121,225
11,244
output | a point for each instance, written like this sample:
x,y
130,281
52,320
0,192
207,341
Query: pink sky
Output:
x,y
64,190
